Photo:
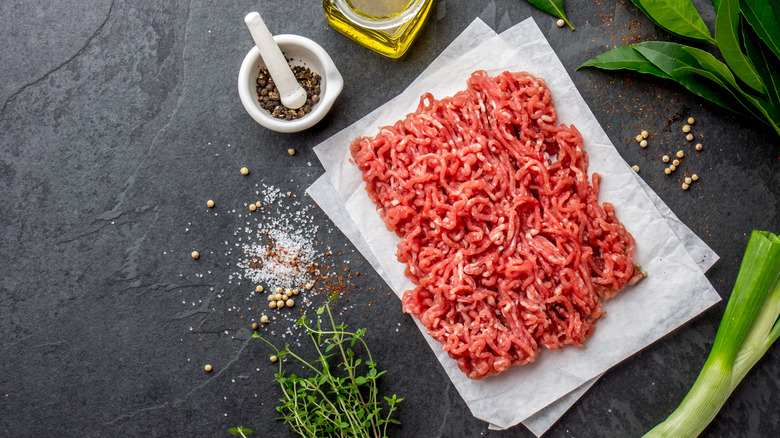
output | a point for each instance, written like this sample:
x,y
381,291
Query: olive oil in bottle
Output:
x,y
386,26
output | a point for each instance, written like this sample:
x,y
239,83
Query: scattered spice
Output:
x,y
269,99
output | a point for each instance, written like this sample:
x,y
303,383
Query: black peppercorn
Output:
x,y
268,95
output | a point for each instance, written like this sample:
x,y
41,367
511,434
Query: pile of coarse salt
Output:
x,y
276,245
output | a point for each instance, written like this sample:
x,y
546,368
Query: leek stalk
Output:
x,y
749,327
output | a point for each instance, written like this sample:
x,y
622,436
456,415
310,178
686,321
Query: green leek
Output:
x,y
749,327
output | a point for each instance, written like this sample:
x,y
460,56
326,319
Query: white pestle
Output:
x,y
291,93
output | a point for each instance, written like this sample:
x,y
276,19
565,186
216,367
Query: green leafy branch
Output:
x,y
747,34
334,401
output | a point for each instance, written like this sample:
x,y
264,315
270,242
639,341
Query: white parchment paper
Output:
x,y
675,291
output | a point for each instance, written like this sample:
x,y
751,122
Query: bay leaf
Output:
x,y
624,58
768,68
763,18
727,35
706,85
554,8
677,17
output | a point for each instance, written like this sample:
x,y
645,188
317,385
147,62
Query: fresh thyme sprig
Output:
x,y
340,400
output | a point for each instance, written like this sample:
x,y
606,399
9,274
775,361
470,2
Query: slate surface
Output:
x,y
120,119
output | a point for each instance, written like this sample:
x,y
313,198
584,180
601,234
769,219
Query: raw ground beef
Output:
x,y
501,230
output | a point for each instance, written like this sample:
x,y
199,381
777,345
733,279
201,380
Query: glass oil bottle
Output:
x,y
386,26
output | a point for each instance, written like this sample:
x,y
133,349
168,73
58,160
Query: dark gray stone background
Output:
x,y
120,119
